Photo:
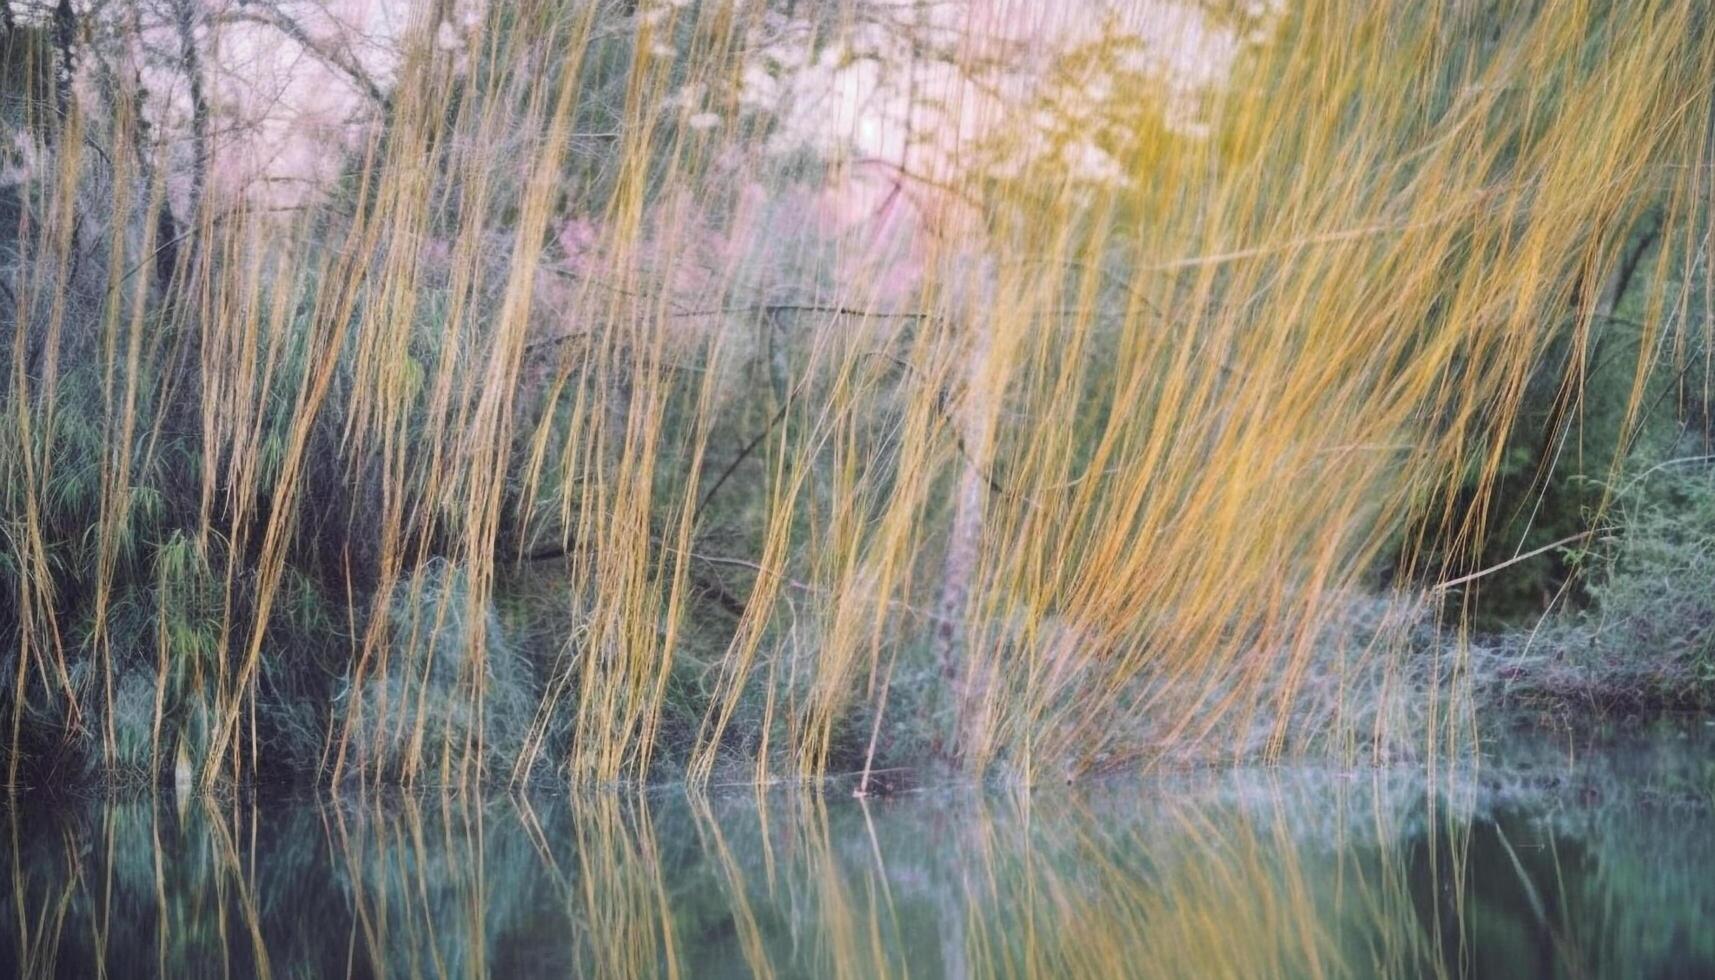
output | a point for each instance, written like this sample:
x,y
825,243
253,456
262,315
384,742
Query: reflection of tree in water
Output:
x,y
1245,874
1581,863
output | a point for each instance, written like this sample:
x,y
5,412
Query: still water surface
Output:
x,y
1550,860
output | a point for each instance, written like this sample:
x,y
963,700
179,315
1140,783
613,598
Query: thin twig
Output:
x,y
743,454
1472,577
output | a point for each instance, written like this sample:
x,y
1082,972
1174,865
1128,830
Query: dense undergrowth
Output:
x,y
604,400
1598,608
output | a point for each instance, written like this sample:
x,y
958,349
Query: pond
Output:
x,y
1552,858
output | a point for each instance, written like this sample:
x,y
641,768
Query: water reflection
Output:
x,y
1543,868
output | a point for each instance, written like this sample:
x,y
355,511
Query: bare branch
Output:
x,y
269,16
190,62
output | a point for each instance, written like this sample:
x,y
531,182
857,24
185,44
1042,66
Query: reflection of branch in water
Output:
x,y
735,887
226,848
1241,874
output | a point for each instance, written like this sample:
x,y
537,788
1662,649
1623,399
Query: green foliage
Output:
x,y
1572,446
422,703
1652,595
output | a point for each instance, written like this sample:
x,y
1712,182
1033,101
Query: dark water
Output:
x,y
1550,861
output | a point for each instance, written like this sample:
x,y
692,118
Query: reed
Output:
x,y
598,404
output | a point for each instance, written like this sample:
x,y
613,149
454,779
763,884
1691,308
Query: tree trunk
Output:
x,y
65,45
190,62
973,411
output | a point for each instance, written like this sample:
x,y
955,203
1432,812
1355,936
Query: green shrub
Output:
x,y
414,707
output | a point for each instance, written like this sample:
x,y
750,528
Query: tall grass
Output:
x,y
530,441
